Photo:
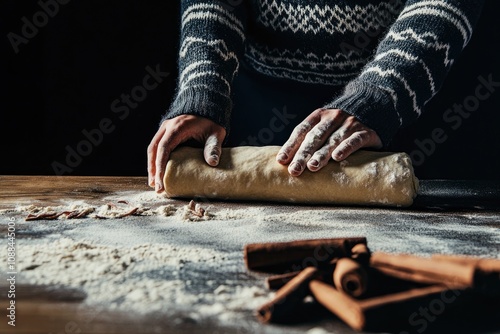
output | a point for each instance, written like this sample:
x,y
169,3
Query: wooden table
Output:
x,y
49,190
463,215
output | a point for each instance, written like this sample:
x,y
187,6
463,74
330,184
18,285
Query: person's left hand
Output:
x,y
325,134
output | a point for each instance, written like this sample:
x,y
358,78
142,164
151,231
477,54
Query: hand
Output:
x,y
175,131
323,134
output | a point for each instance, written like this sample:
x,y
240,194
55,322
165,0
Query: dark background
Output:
x,y
65,78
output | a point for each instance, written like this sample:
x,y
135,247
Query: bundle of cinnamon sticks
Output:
x,y
367,290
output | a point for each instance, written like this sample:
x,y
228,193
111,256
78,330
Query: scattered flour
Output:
x,y
341,178
235,214
143,197
372,169
152,275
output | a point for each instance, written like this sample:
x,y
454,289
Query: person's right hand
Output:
x,y
175,131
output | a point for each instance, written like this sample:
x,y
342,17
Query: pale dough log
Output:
x,y
252,173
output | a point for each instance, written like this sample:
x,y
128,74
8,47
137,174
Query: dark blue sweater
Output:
x,y
391,56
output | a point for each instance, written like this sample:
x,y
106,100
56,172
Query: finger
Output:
x,y
288,150
311,143
213,148
291,146
321,157
152,148
350,145
167,144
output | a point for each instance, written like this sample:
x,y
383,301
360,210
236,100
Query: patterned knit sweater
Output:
x,y
390,57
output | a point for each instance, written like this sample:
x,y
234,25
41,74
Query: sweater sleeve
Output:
x,y
410,64
211,42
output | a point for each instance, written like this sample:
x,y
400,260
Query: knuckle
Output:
x,y
297,136
327,123
314,136
316,115
319,111
337,113
350,121
302,128
302,156
182,121
320,156
368,135
299,158
177,126
336,137
287,148
324,113
333,114
355,140
324,126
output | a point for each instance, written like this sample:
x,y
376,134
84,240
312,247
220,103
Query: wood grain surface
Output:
x,y
48,190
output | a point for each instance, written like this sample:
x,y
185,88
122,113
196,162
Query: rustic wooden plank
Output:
x,y
48,293
47,190
35,317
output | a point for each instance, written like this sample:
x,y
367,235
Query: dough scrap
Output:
x,y
252,173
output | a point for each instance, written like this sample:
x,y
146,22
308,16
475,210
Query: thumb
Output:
x,y
213,148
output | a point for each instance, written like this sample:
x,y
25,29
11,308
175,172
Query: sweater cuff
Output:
x,y
372,106
201,102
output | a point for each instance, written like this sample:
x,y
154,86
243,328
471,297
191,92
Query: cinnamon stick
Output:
x,y
450,272
340,304
288,297
387,310
350,277
407,276
487,271
275,282
420,267
361,253
364,314
279,257
485,264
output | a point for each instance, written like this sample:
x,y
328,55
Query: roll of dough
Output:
x,y
252,173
